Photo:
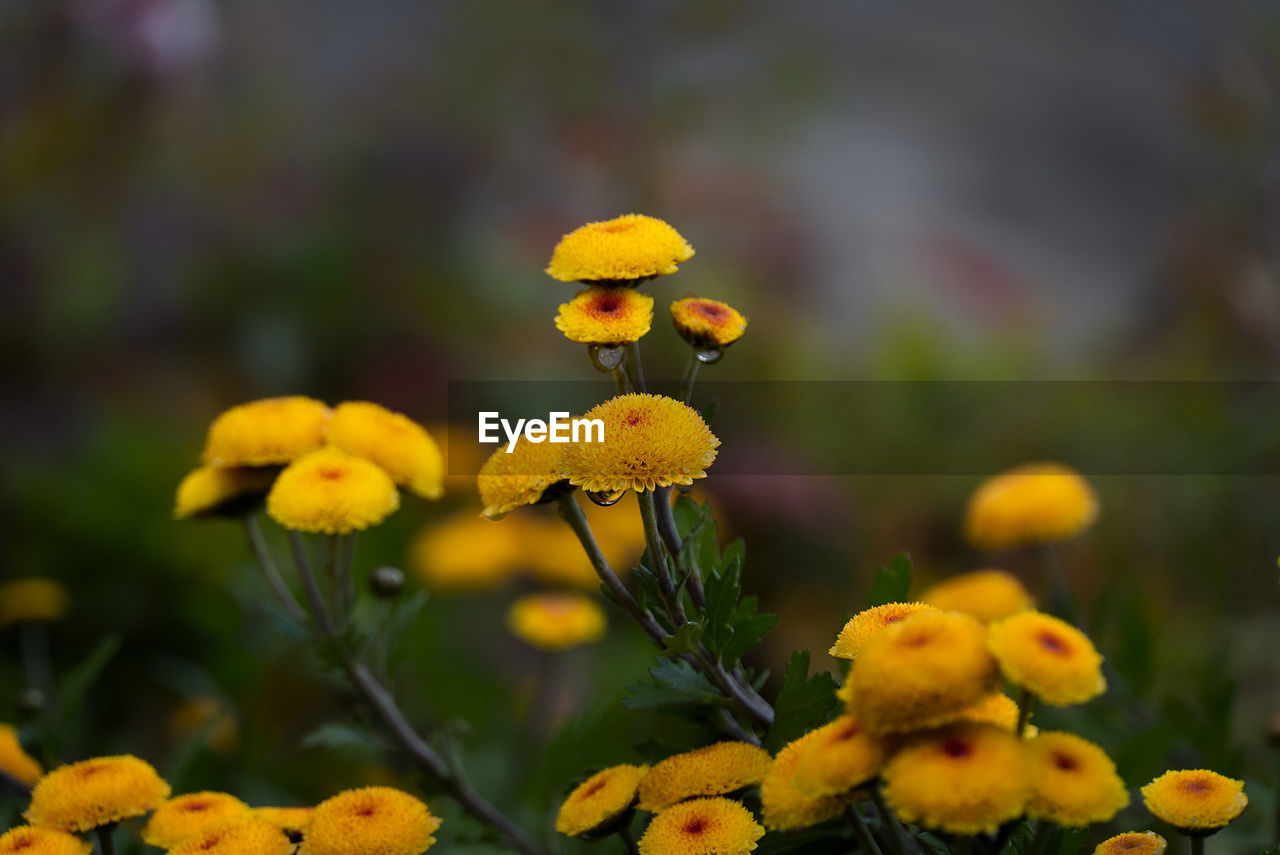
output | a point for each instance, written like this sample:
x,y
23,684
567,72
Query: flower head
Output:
x,y
213,491
290,820
840,756
183,816
605,314
243,834
702,827
784,806
373,819
964,779
623,249
332,492
650,441
1074,782
1195,801
707,323
987,595
268,432
31,598
82,796
867,624
1133,843
599,800
465,552
556,621
14,761
997,708
1035,503
402,447
709,771
510,481
1047,656
37,840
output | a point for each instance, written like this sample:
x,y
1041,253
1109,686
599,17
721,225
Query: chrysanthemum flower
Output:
x,y
922,672
965,778
556,621
702,827
465,552
624,249
1035,503
1047,656
606,315
183,816
844,695
509,481
707,323
15,762
650,441
268,432
840,756
1133,843
867,624
988,595
599,800
332,492
709,771
290,820
784,806
1195,801
997,708
82,796
373,819
244,834
401,446
213,491
31,598
1074,782
36,840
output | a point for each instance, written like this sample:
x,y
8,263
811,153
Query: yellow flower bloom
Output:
x,y
244,834
867,624
184,816
650,441
1133,843
290,820
623,249
373,819
82,796
331,492
988,595
35,840
599,800
707,323
964,779
840,756
466,552
702,827
31,598
1074,782
784,806
402,447
605,314
1195,801
997,708
509,481
1035,503
556,621
268,432
1049,657
844,694
210,491
922,672
15,762
708,771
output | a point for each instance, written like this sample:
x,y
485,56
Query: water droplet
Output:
x,y
708,356
606,357
604,500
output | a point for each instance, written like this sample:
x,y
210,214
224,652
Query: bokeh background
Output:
x,y
207,202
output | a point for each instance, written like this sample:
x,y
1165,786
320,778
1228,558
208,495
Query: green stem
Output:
x,y
690,375
619,380
634,369
860,830
893,828
658,557
628,842
1026,704
258,545
671,539
309,585
106,842
1197,843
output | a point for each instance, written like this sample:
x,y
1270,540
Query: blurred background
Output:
x,y
208,201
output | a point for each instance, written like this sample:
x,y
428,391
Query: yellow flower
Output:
x,y
997,708
844,694
702,827
210,491
31,598
605,314
599,800
15,762
245,834
840,756
290,820
266,432
402,447
509,481
988,595
1195,801
1051,658
707,323
556,621
867,624
373,819
623,249
784,806
34,840
650,441
922,672
1034,503
82,796
708,771
1074,782
184,816
331,492
964,779
1133,843
466,552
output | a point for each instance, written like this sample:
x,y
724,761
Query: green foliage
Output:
x,y
803,703
675,683
891,584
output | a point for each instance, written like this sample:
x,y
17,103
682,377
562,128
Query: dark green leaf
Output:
x,y
686,512
803,703
336,736
675,683
892,584
685,640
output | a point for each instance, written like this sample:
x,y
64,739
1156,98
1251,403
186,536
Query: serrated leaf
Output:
x,y
748,630
676,683
722,591
891,584
735,551
803,703
336,736
685,639
686,513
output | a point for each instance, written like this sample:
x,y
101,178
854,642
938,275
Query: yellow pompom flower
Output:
x,y
332,492
988,595
372,819
183,816
650,441
1133,843
702,827
82,796
402,447
268,432
211,491
606,315
465,552
35,840
922,672
31,598
510,481
707,323
623,249
1074,782
997,708
867,624
599,800
965,778
290,820
708,771
1049,657
1195,801
784,806
14,761
556,621
1035,503
840,756
245,834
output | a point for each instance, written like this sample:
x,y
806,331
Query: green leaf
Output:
x,y
892,584
75,686
735,551
1020,838
676,684
803,703
748,628
722,590
336,736
685,640
686,512
1070,841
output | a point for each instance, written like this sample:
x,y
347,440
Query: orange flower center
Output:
x,y
1065,762
710,311
695,826
196,807
1053,644
956,748
1196,786
594,788
848,732
614,228
607,304
210,842
330,473
634,418
23,843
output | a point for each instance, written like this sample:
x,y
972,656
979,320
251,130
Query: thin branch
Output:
x,y
258,545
